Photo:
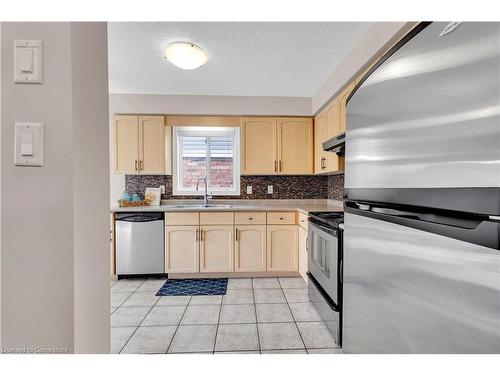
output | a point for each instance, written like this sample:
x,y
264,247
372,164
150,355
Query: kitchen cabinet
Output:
x,y
250,248
216,248
295,146
140,144
126,138
303,253
182,249
282,248
281,145
258,145
343,106
327,125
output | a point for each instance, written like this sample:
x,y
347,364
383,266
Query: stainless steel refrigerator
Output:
x,y
422,179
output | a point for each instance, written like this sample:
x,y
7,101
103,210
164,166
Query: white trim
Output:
x,y
206,132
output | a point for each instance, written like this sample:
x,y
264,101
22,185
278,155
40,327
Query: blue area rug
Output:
x,y
193,287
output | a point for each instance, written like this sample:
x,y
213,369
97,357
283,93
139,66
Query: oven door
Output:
x,y
323,259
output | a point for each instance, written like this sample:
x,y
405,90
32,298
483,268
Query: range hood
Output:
x,y
335,144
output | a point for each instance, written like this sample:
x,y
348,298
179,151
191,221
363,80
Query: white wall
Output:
x,y
90,186
379,37
50,238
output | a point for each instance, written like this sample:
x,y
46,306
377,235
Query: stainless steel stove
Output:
x,y
325,268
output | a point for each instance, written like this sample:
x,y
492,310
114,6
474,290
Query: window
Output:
x,y
210,152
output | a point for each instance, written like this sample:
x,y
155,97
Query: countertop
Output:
x,y
301,205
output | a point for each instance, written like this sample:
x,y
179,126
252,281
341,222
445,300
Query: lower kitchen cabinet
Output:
x,y
303,253
182,249
250,248
282,248
216,248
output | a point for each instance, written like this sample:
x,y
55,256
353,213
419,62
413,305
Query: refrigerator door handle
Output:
x,y
472,228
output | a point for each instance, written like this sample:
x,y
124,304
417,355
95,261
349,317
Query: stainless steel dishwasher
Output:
x,y
139,243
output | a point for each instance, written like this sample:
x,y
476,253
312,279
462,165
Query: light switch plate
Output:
x,y
249,189
28,57
269,189
28,144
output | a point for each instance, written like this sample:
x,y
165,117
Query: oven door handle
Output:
x,y
321,291
322,227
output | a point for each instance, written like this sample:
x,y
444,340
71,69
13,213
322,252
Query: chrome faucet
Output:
x,y
205,199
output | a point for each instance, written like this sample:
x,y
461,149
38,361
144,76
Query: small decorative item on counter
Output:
x,y
138,203
136,198
126,196
154,195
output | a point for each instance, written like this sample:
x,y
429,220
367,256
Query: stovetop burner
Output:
x,y
332,219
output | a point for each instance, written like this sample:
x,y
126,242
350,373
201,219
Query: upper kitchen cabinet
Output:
x,y
126,138
327,125
343,105
277,146
140,145
258,145
295,146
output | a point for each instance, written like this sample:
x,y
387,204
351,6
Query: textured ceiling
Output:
x,y
244,58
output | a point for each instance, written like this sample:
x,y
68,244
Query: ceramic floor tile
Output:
x,y
173,301
112,310
152,285
238,296
119,297
269,296
316,335
266,283
234,337
199,338
164,316
141,299
206,300
285,351
119,337
202,314
273,312
150,340
127,285
231,314
240,352
325,351
296,295
237,283
279,336
128,316
292,282
304,312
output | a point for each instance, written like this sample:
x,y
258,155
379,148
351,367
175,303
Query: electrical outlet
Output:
x,y
269,189
162,189
249,189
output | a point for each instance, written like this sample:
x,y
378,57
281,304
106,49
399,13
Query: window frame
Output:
x,y
205,131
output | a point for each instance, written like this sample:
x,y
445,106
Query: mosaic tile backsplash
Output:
x,y
284,187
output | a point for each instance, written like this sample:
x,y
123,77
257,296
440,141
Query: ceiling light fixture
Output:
x,y
185,55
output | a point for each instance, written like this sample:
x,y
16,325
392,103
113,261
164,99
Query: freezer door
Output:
x,y
428,119
411,291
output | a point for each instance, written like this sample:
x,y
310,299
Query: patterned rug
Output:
x,y
193,287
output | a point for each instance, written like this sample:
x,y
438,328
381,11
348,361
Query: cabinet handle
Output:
x,y
136,165
141,165
250,218
279,169
281,218
197,235
236,235
307,244
276,166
